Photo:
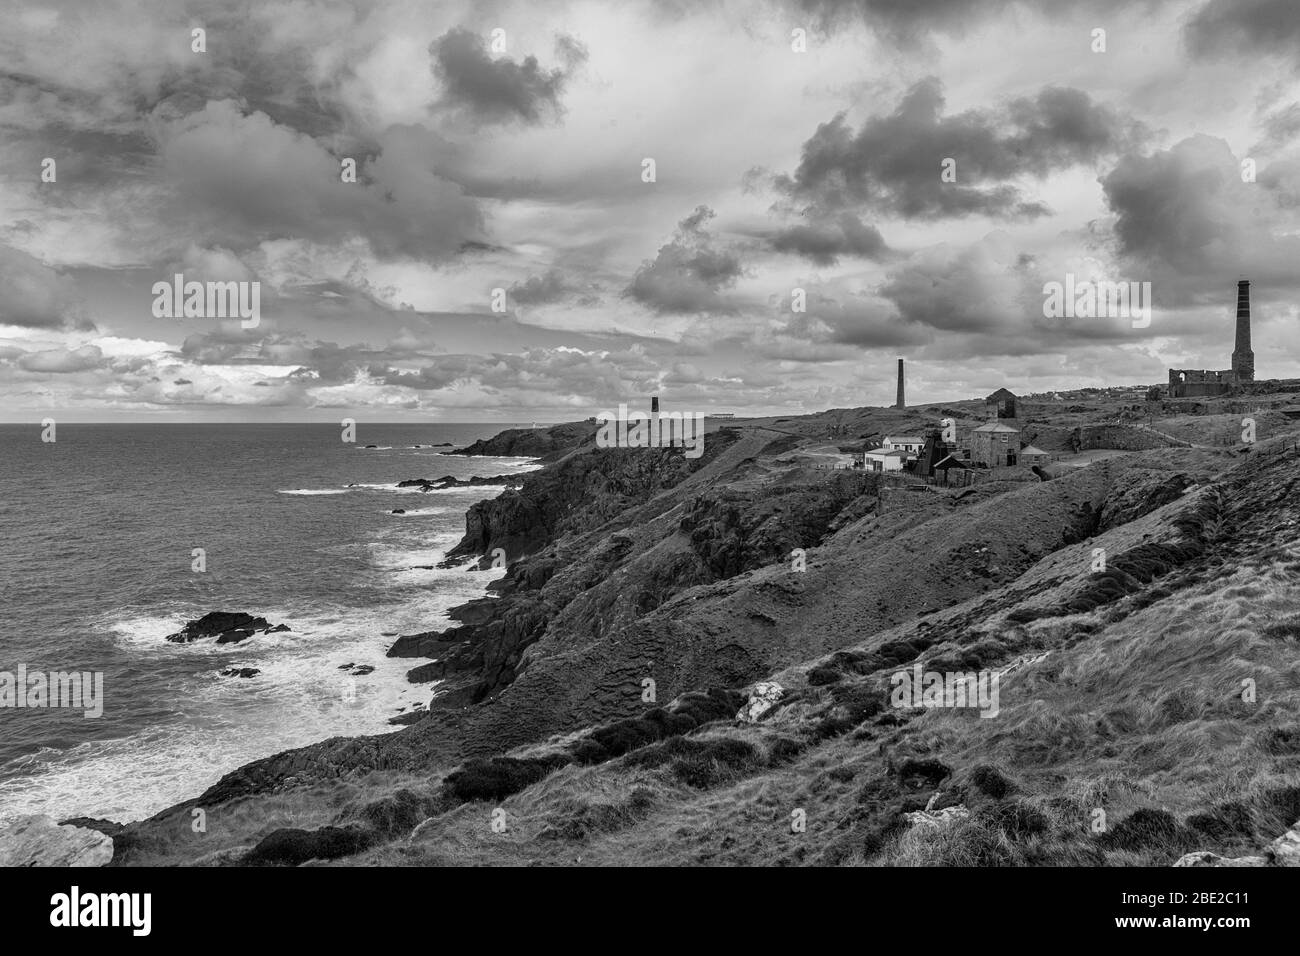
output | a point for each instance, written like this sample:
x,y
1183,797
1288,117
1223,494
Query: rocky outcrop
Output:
x,y
240,672
38,841
531,442
1206,858
1284,851
936,819
451,481
764,697
734,532
228,627
575,495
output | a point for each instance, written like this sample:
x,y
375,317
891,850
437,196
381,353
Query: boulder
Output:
x,y
1206,858
763,699
1285,850
398,511
240,672
38,841
228,627
937,818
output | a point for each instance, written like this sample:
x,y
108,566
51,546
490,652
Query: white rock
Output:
x,y
1206,858
1285,850
38,841
937,818
762,700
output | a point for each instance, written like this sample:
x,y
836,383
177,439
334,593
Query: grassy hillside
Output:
x,y
1124,732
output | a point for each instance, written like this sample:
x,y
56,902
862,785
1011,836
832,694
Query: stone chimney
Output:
x,y
900,403
1243,359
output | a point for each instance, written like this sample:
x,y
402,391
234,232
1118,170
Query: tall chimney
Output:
x,y
654,404
1243,359
899,403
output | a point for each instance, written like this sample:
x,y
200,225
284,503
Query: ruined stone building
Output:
x,y
1189,383
1001,404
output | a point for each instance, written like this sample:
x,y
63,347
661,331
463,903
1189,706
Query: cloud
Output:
x,y
242,178
892,164
689,273
34,296
501,90
1184,216
540,290
824,242
62,360
1245,26
857,319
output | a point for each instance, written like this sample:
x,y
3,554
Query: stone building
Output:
x,y
1191,383
995,444
1001,404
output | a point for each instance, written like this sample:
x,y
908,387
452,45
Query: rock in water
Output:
x,y
228,627
38,841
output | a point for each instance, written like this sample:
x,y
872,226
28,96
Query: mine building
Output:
x,y
1194,383
995,444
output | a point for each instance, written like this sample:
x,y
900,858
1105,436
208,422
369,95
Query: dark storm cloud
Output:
x,y
34,296
859,320
689,273
501,90
825,242
1185,215
892,164
243,178
909,20
540,290
1245,26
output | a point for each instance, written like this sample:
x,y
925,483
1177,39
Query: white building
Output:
x,y
905,443
885,459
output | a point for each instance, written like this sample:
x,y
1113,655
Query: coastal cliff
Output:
x,y
649,599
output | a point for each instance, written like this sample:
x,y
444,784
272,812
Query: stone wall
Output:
x,y
1122,437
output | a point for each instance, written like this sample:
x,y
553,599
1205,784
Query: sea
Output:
x,y
98,531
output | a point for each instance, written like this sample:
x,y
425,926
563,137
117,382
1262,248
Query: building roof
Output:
x,y
950,461
997,427
1031,450
882,453
1000,395
905,438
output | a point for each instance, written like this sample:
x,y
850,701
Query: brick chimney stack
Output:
x,y
900,403
1243,359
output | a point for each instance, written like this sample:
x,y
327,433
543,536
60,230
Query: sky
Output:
x,y
559,207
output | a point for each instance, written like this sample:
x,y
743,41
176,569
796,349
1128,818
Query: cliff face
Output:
x,y
584,489
638,577
545,443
